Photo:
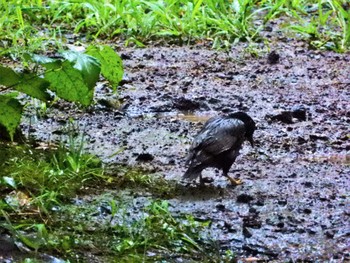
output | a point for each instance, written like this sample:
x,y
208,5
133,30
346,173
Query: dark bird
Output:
x,y
218,144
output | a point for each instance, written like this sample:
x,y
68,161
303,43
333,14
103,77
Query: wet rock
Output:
x,y
125,56
220,207
246,233
268,28
260,202
311,231
301,230
308,184
307,211
144,157
229,227
125,81
256,249
284,116
214,100
58,132
187,82
322,137
105,210
244,198
293,175
282,202
301,140
273,57
280,224
253,210
185,104
148,56
7,245
299,112
110,103
162,107
329,233
252,221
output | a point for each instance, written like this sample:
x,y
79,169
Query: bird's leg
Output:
x,y
233,181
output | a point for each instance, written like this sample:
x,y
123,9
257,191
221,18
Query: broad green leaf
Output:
x,y
88,65
8,77
29,84
111,63
53,65
34,86
40,59
68,83
10,113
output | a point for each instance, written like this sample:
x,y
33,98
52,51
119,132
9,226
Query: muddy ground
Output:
x,y
294,202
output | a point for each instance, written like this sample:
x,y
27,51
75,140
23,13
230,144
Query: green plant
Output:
x,y
72,78
328,28
157,230
49,178
72,158
40,26
38,232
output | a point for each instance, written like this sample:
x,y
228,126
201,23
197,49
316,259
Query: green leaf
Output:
x,y
34,86
68,83
10,113
88,65
29,84
111,63
196,8
40,59
8,77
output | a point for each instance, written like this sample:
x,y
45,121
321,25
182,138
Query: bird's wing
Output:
x,y
217,136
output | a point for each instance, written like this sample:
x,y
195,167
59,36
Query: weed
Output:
x,y
328,25
145,233
50,178
35,183
158,231
44,26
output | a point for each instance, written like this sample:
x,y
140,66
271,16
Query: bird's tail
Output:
x,y
191,174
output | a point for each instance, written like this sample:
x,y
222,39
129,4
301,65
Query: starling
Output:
x,y
218,144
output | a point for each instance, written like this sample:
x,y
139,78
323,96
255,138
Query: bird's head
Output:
x,y
249,124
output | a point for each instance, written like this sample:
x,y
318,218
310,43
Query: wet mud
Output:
x,y
293,204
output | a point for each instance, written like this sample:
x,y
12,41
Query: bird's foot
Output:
x,y
235,181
